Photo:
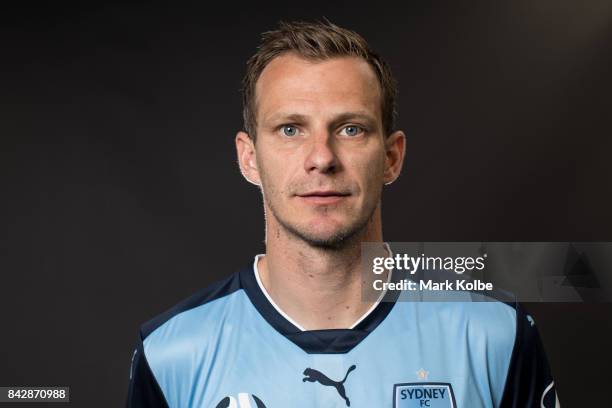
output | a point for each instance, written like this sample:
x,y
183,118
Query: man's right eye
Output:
x,y
289,130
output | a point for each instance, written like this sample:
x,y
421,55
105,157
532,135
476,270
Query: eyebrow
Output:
x,y
342,117
285,116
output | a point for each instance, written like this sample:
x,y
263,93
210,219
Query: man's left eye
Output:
x,y
351,130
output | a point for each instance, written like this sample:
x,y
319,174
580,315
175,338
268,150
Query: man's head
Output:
x,y
319,118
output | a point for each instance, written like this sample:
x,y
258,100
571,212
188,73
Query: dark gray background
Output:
x,y
121,194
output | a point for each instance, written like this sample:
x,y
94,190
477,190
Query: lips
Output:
x,y
323,196
324,193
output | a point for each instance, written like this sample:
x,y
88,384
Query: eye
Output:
x,y
351,130
289,130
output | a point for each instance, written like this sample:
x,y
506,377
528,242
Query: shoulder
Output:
x,y
195,320
203,297
488,320
507,334
500,316
170,345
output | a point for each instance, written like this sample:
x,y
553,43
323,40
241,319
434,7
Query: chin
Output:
x,y
330,237
336,241
330,231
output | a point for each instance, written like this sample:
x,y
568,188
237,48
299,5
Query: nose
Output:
x,y
321,155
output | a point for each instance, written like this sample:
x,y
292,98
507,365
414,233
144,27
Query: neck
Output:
x,y
319,288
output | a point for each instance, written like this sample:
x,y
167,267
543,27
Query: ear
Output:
x,y
247,158
395,150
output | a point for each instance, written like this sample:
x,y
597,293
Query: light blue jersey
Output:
x,y
229,346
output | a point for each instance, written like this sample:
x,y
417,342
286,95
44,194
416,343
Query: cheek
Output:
x,y
273,173
371,171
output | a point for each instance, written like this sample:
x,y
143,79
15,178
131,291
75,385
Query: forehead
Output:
x,y
336,85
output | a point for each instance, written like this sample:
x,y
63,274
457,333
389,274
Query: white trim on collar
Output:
x,y
265,292
293,322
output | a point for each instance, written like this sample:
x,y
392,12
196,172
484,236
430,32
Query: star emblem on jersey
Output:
x,y
312,375
422,374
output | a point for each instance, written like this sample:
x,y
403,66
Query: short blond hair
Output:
x,y
319,40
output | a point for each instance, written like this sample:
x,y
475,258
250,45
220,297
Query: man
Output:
x,y
292,330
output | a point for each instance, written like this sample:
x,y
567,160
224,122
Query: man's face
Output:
x,y
320,152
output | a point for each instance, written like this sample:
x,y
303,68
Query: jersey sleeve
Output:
x,y
143,389
529,382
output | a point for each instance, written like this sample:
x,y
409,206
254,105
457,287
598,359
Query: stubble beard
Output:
x,y
334,241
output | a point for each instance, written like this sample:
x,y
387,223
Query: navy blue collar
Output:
x,y
326,341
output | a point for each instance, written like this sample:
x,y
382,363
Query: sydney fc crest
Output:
x,y
423,395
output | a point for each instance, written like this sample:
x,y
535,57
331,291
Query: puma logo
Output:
x,y
313,375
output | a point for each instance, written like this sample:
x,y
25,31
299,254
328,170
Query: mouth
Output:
x,y
323,197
